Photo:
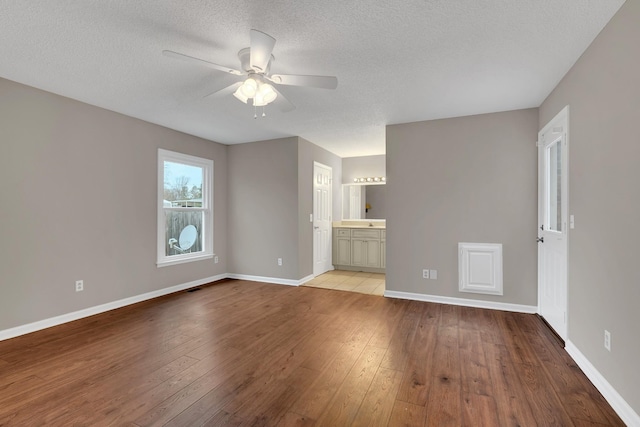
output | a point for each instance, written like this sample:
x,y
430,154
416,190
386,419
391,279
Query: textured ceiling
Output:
x,y
396,60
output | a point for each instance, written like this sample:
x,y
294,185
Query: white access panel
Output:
x,y
480,268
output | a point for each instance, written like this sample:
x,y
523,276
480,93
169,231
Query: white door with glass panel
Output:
x,y
322,181
552,222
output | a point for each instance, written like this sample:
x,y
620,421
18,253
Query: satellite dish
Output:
x,y
188,237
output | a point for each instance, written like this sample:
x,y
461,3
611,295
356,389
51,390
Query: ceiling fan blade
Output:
x,y
283,103
176,55
324,82
227,90
261,47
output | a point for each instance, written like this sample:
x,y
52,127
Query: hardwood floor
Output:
x,y
240,353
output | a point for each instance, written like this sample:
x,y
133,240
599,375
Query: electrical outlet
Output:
x,y
215,259
607,340
433,274
425,274
280,262
79,285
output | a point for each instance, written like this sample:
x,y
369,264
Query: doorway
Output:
x,y
553,189
322,197
350,281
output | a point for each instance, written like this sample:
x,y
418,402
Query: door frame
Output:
x,y
314,210
560,120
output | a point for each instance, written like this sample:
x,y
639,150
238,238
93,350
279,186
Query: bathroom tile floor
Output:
x,y
353,281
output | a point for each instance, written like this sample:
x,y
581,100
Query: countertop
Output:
x,y
377,225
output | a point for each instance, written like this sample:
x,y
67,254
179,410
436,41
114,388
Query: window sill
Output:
x,y
184,260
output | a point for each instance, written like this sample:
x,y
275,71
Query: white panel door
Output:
x,y
322,181
552,222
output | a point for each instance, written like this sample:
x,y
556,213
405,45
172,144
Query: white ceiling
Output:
x,y
396,61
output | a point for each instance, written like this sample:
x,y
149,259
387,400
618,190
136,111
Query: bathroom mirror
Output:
x,y
363,201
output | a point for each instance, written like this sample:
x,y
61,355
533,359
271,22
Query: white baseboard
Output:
x,y
69,317
276,280
76,315
305,279
617,402
518,308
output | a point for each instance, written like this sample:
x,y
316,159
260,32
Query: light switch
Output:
x,y
572,223
310,217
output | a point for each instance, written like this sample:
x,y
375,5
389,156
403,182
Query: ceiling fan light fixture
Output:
x,y
240,96
268,93
249,87
258,100
255,66
263,95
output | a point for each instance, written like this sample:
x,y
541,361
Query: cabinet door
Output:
x,y
358,252
383,254
343,247
373,253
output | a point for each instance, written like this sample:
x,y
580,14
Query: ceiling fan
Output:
x,y
255,64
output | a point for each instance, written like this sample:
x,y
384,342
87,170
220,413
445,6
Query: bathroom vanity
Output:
x,y
360,245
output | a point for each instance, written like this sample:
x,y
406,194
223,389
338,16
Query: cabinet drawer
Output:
x,y
343,232
365,233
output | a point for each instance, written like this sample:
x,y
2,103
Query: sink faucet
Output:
x,y
370,224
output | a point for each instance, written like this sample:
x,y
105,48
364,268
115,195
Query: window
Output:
x,y
185,211
554,186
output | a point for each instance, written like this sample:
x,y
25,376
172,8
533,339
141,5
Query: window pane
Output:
x,y
554,179
182,185
183,232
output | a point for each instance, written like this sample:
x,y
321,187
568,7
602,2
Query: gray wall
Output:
x,y
270,199
603,94
78,201
365,166
263,208
467,179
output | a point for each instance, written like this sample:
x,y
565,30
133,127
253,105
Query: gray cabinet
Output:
x,y
360,249
342,246
383,249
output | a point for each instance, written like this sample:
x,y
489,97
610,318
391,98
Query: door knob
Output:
x,y
540,240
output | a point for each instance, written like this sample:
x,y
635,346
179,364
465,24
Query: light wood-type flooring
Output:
x,y
240,353
352,281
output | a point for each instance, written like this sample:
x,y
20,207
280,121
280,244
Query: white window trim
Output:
x,y
207,207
